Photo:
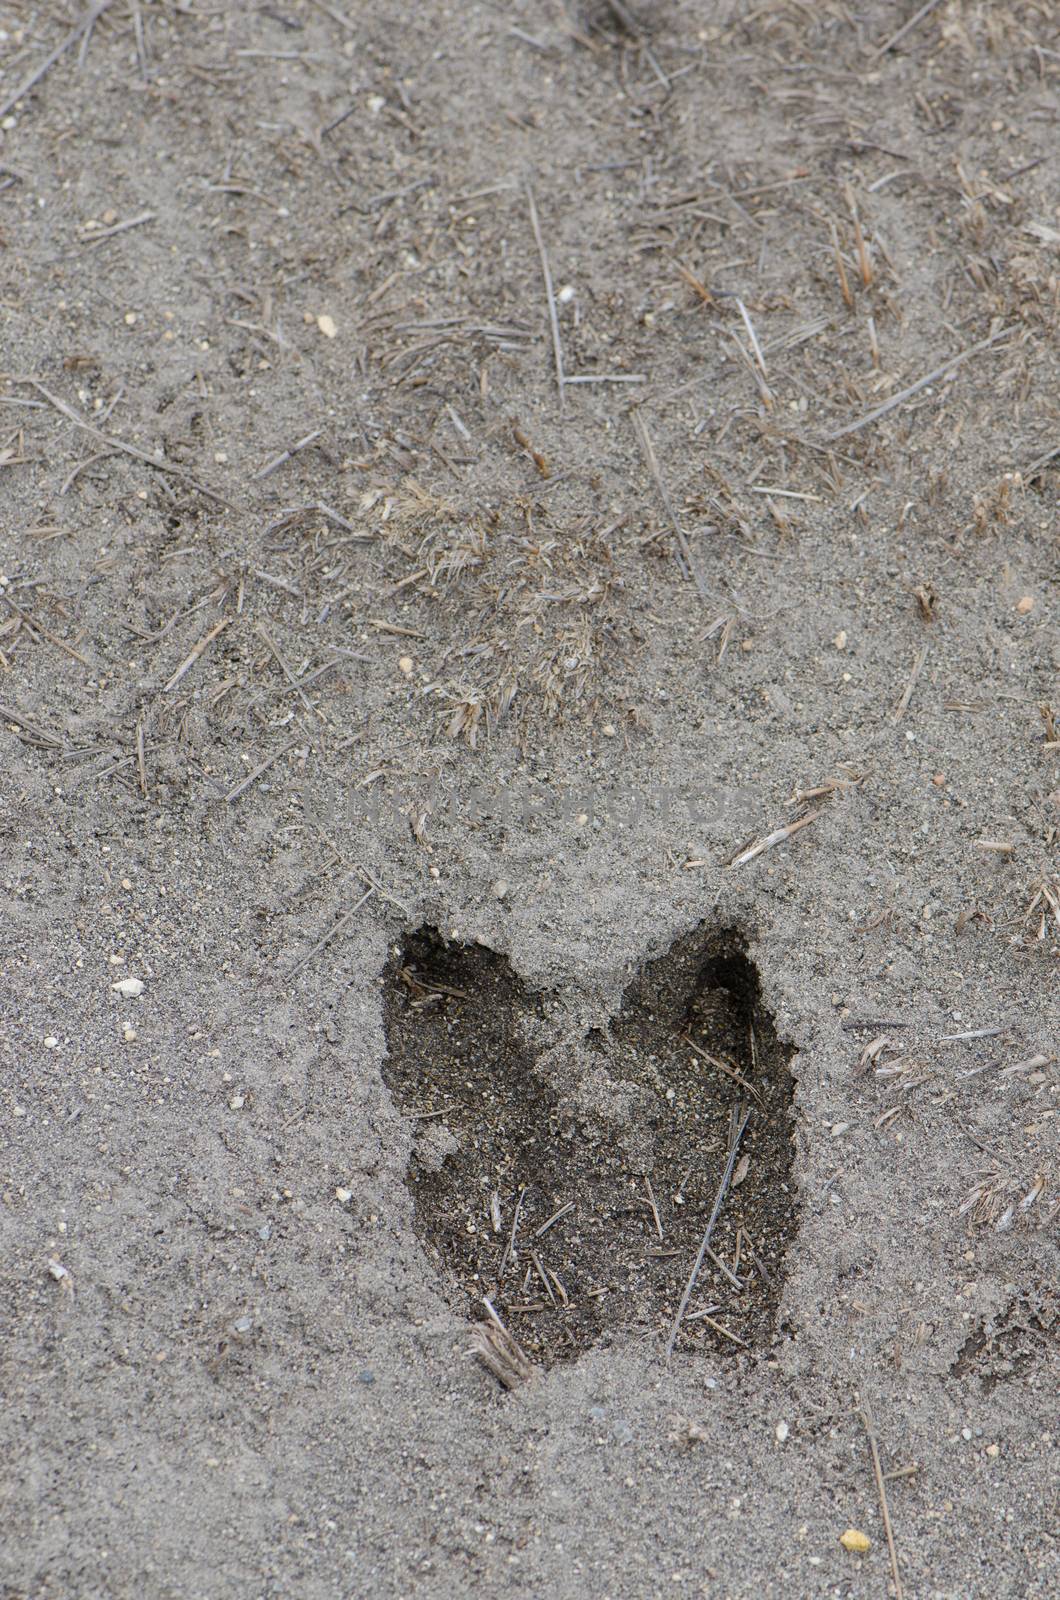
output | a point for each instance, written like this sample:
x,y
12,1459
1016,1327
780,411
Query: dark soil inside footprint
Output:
x,y
580,1212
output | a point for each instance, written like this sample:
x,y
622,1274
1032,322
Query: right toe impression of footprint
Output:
x,y
564,1192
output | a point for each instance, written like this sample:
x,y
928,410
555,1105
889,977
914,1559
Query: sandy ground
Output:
x,y
327,613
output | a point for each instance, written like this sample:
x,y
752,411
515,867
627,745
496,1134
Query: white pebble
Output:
x,y
128,988
344,1196
237,1102
50,1042
782,1432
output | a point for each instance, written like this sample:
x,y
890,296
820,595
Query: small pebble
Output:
x,y
1025,605
993,1450
50,1042
344,1196
500,888
840,640
855,1540
327,326
405,665
128,1034
237,1102
130,319
781,1432
128,988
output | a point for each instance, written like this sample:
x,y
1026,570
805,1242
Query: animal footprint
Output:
x,y
571,1187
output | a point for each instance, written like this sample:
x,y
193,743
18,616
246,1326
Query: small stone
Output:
x,y
840,640
939,780
839,1128
51,1042
1026,605
130,319
500,888
608,730
855,1540
128,988
566,295
366,1377
237,1102
344,1196
434,872
993,1450
327,326
782,1431
405,665
128,1034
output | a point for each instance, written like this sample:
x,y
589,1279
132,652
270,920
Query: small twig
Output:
x,y
510,1252
91,239
546,273
75,472
120,444
289,675
755,346
554,1218
725,1271
252,777
324,510
776,837
914,388
337,927
45,633
703,1316
881,1488
608,377
907,27
726,1178
195,652
88,21
653,467
278,461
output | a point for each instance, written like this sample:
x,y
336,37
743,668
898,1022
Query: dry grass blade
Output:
x,y
653,467
725,1067
885,1512
500,1353
907,693
546,273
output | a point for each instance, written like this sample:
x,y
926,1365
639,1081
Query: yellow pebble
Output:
x,y
855,1540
